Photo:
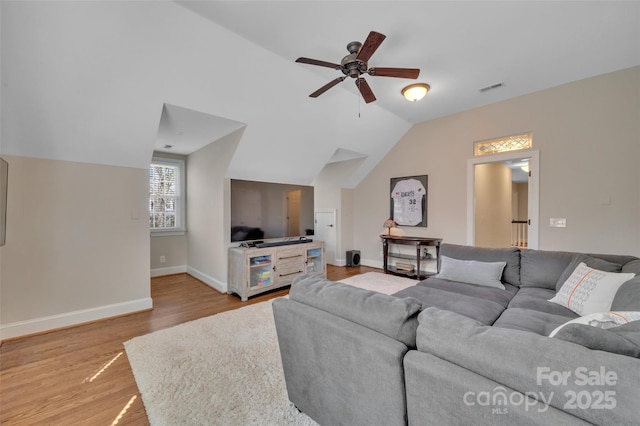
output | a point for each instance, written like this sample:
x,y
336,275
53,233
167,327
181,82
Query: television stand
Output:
x,y
255,270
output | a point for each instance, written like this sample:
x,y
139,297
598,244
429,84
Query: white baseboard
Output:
x,y
372,263
180,269
53,322
210,281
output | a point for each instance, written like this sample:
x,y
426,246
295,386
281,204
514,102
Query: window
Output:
x,y
166,195
506,144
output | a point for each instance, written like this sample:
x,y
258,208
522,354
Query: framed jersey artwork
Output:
x,y
409,200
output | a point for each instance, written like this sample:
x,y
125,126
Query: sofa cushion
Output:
x,y
392,316
500,296
510,255
513,359
537,299
537,322
473,304
590,290
539,268
628,296
623,339
486,274
632,266
590,261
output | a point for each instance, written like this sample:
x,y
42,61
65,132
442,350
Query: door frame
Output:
x,y
534,191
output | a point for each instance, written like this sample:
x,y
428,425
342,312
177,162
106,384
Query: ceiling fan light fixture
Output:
x,y
415,92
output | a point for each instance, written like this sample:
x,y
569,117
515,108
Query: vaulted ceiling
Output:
x,y
109,82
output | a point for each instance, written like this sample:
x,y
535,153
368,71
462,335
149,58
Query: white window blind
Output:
x,y
165,195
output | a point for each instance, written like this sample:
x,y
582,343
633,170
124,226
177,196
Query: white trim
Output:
x,y
534,191
170,270
372,263
167,233
210,281
181,211
53,322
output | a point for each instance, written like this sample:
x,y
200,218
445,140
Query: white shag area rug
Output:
x,y
224,369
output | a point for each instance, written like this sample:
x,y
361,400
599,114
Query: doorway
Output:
x,y
293,212
482,206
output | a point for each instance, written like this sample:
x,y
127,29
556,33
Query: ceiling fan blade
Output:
x,y
395,72
365,90
326,87
319,63
370,45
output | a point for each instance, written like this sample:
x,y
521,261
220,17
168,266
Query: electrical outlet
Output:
x,y
163,259
558,222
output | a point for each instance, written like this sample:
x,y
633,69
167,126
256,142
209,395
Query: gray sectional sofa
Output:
x,y
447,352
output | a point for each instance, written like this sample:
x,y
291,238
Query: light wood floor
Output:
x,y
81,375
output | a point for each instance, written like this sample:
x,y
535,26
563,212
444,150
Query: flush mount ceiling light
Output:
x,y
415,92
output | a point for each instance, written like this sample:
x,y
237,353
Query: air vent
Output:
x,y
491,87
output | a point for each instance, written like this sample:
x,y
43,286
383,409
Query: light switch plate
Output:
x,y
558,222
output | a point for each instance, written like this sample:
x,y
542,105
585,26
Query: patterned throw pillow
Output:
x,y
602,320
589,290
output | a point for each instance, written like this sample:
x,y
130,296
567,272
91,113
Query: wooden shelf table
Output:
x,y
419,243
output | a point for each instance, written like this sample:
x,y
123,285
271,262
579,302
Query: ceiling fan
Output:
x,y
355,64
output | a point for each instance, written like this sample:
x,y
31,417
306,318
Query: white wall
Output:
x,y
173,249
102,70
208,215
77,244
329,195
587,133
492,205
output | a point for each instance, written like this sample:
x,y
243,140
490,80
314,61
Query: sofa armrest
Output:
x,y
596,386
339,372
392,316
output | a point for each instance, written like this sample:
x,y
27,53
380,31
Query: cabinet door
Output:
x,y
315,260
289,264
260,270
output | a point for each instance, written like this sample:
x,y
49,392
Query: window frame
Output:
x,y
181,215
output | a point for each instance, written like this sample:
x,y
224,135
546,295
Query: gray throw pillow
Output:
x,y
472,272
511,255
622,340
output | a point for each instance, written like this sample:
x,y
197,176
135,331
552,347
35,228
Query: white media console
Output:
x,y
257,270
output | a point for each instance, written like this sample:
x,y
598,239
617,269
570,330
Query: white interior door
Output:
x,y
326,230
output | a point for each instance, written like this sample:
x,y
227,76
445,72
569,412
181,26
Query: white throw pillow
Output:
x,y
589,290
487,274
602,320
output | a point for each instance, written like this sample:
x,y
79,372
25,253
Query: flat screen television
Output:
x,y
267,211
